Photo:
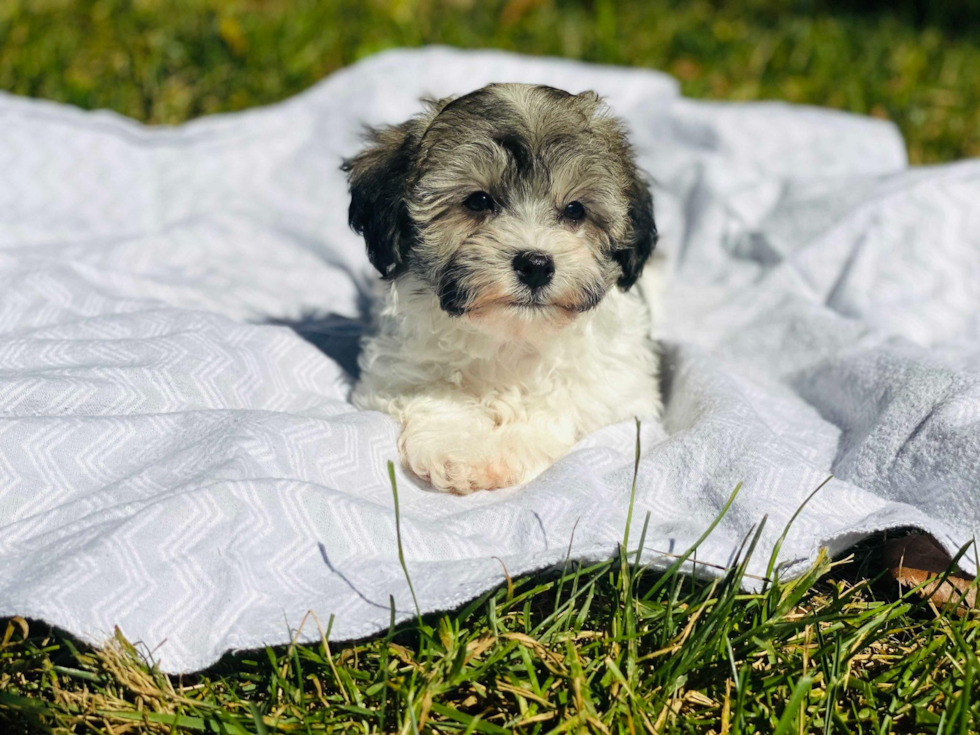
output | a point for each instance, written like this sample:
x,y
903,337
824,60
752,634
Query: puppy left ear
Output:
x,y
379,179
642,237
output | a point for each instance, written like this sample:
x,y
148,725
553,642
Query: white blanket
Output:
x,y
175,463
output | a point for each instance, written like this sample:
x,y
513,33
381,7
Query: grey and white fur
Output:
x,y
510,226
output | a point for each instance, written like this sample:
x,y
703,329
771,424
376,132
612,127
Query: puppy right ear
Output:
x,y
379,178
643,233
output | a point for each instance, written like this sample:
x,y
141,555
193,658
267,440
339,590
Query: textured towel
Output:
x,y
179,317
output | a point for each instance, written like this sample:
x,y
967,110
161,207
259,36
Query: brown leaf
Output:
x,y
915,560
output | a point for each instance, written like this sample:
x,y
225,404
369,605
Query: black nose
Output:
x,y
534,269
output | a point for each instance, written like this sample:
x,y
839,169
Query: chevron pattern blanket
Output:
x,y
179,318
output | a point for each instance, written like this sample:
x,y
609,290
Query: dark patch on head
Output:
x,y
519,151
643,234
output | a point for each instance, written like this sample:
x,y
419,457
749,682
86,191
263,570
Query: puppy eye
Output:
x,y
479,201
574,211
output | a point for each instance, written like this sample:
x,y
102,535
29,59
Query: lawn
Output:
x,y
601,648
164,61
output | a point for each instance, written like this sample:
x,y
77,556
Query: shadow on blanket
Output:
x,y
335,335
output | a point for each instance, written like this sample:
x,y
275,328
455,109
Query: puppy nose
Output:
x,y
534,269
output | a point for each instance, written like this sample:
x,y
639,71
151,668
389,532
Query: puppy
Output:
x,y
511,225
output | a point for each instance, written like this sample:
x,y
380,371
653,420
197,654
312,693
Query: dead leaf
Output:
x,y
914,560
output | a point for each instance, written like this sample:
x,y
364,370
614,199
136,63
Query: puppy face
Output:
x,y
515,205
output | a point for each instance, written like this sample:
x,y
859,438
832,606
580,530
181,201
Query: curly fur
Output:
x,y
494,374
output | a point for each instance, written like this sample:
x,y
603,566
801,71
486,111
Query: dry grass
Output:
x,y
609,647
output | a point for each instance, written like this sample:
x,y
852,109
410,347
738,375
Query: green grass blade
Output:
x,y
792,711
398,536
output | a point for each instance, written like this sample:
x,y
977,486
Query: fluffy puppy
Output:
x,y
510,225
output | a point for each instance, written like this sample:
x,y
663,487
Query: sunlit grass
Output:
x,y
606,647
593,648
166,61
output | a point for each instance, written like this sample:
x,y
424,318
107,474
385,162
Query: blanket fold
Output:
x,y
180,311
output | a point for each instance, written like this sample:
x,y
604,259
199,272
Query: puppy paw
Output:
x,y
451,471
457,462
465,450
483,474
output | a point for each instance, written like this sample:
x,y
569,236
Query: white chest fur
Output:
x,y
492,400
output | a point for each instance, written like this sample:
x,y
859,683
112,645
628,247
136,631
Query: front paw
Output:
x,y
451,466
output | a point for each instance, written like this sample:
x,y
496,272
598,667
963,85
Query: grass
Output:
x,y
610,647
164,61
597,648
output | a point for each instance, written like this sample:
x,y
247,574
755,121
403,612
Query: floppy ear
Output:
x,y
642,237
378,178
